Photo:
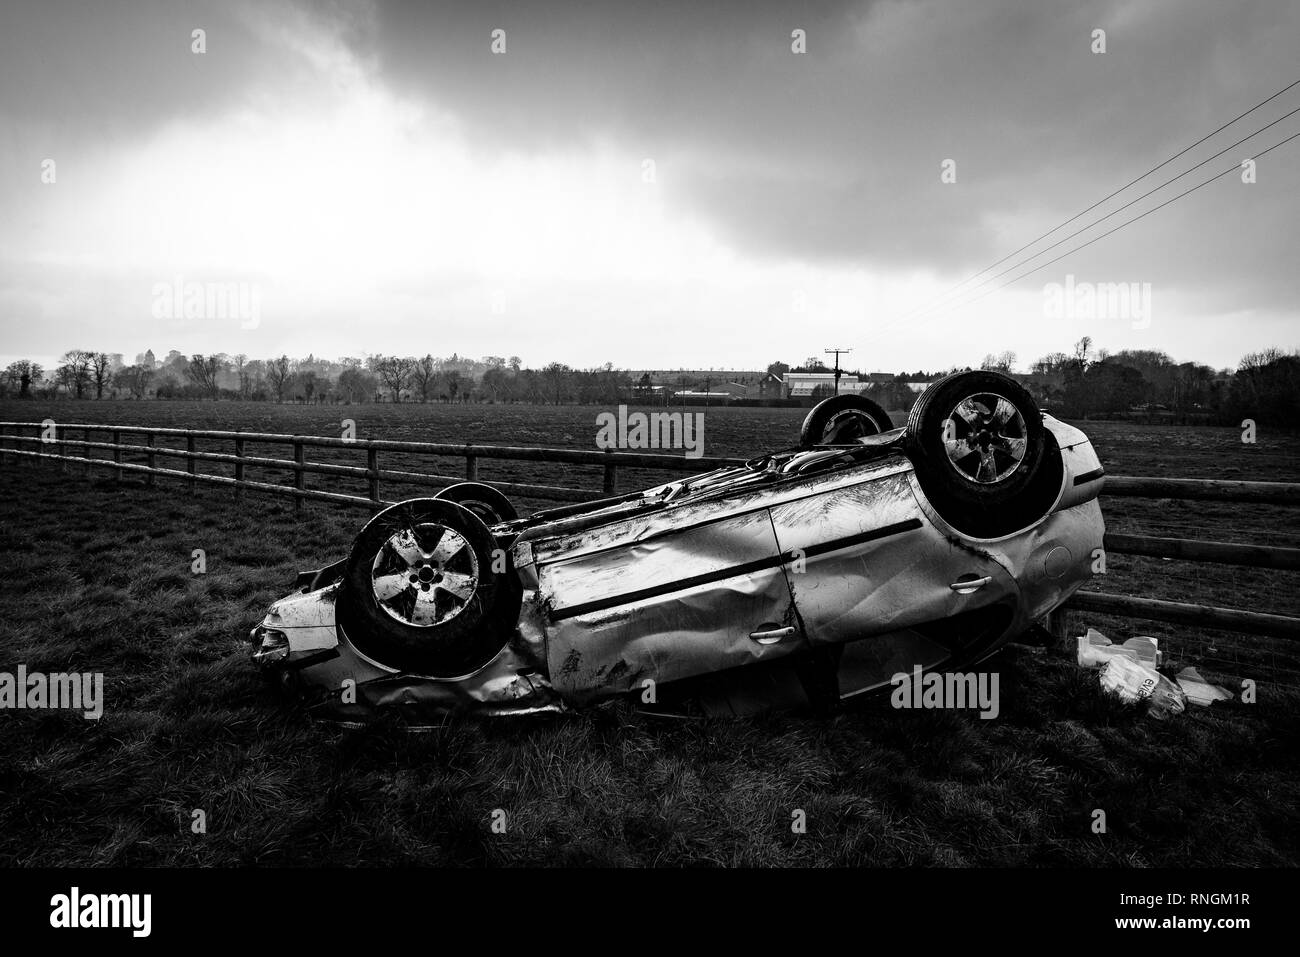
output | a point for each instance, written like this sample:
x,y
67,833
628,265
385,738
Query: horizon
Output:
x,y
1022,366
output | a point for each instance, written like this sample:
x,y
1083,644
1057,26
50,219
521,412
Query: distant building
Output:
x,y
771,386
765,386
799,385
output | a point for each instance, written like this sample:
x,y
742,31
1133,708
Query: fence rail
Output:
x,y
610,461
13,442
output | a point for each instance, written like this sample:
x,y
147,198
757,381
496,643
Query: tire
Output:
x,y
982,455
446,622
490,505
842,419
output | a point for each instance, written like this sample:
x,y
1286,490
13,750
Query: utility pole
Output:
x,y
837,365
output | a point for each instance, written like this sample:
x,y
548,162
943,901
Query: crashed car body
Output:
x,y
809,575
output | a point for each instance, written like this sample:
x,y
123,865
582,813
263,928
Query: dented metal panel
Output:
x,y
867,562
695,510
665,608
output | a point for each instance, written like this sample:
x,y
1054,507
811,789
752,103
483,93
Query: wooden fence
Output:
x,y
38,441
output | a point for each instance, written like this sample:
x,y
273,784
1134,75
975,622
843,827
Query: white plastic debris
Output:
x,y
1198,690
1134,682
1095,649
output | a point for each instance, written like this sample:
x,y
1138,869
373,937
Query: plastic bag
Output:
x,y
1198,690
1135,682
1095,649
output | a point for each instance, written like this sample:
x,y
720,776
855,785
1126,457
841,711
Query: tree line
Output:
x,y
84,374
1081,383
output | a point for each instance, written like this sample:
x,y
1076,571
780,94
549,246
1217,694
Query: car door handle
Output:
x,y
773,635
965,586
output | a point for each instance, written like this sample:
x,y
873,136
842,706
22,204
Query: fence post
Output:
x,y
239,468
611,478
1058,626
85,450
471,467
299,451
372,466
189,459
149,459
117,454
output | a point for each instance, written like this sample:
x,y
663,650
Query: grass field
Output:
x,y
97,578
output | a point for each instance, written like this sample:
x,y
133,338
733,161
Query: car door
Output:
x,y
866,561
693,589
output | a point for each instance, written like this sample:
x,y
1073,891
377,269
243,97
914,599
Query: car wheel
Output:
x,y
490,505
420,590
841,420
982,455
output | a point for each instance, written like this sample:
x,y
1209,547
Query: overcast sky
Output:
x,y
653,184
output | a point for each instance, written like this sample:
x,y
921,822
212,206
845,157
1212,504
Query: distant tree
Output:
x,y
557,377
423,373
1103,388
1265,387
1081,348
245,380
1115,387
65,378
100,363
278,372
74,373
24,372
203,372
1003,362
168,386
1051,364
394,372
892,395
452,383
778,368
1191,389
356,384
133,379
496,383
307,382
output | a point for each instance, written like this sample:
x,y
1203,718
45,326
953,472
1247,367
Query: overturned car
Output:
x,y
806,576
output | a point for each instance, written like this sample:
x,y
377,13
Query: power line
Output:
x,y
1129,222
1119,209
1103,199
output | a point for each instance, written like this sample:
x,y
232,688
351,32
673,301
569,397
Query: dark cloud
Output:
x,y
111,70
834,155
